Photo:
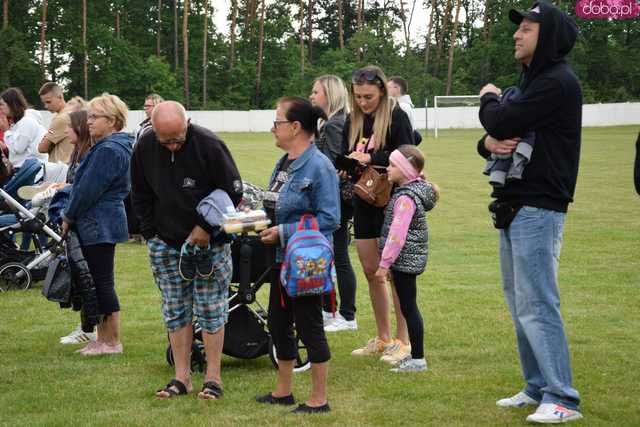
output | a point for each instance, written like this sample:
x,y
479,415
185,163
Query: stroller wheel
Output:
x,y
302,359
14,275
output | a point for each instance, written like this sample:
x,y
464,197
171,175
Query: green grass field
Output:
x,y
469,338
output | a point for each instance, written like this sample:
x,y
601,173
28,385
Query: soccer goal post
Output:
x,y
462,113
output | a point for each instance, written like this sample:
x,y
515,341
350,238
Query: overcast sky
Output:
x,y
419,22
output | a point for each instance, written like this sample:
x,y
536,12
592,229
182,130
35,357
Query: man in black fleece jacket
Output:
x,y
550,106
173,168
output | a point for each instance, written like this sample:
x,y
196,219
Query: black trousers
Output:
x,y
344,270
100,259
306,313
406,287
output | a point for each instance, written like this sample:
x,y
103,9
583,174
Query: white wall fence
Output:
x,y
593,115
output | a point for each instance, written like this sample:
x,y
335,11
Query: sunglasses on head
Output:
x,y
364,75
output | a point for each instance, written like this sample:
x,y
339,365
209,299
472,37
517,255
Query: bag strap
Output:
x,y
308,222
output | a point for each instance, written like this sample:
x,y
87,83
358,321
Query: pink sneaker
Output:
x,y
89,347
103,349
112,349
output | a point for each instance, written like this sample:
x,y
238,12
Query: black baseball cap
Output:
x,y
533,14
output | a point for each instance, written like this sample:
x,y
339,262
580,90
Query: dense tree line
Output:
x,y
278,47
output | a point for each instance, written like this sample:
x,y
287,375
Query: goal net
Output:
x,y
455,112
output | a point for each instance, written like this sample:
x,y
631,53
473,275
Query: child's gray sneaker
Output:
x,y
409,364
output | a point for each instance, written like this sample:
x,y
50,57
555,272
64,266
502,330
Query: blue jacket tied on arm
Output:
x,y
102,181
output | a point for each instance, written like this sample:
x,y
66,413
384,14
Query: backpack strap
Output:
x,y
308,222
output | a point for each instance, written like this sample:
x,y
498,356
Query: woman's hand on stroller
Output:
x,y
270,236
65,228
199,237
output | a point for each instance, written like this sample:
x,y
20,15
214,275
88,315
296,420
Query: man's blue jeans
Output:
x,y
529,255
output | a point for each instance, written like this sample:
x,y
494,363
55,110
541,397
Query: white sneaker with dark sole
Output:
x,y
78,336
519,400
552,413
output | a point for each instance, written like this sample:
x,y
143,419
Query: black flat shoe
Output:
x,y
304,409
272,400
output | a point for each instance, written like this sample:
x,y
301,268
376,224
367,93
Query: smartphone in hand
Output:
x,y
344,163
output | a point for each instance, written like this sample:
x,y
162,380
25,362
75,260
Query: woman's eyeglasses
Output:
x,y
93,116
277,122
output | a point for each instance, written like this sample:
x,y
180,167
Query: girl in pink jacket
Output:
x,y
404,242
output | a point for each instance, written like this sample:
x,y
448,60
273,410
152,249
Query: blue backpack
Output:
x,y
308,267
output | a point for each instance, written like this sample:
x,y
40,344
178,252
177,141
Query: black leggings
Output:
x,y
406,287
344,270
306,313
100,259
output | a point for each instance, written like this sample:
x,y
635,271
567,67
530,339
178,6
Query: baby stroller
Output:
x,y
19,268
246,332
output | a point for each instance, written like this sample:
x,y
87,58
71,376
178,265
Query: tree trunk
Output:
x,y
260,54
310,30
486,21
360,24
360,15
176,60
443,32
118,23
205,59
340,24
301,35
159,30
403,18
427,46
185,52
253,10
52,60
85,51
5,14
452,48
43,36
232,34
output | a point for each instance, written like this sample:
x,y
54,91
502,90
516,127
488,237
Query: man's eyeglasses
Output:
x,y
277,122
177,141
362,75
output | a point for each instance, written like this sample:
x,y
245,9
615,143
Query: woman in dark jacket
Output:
x,y
96,211
329,93
375,127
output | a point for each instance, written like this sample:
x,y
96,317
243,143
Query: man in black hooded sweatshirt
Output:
x,y
530,212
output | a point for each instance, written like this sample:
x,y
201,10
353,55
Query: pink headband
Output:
x,y
405,166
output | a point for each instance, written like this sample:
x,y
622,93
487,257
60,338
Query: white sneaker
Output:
x,y
78,336
43,197
327,318
519,400
408,364
341,324
551,413
27,192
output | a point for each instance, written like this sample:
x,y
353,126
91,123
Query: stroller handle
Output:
x,y
24,211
